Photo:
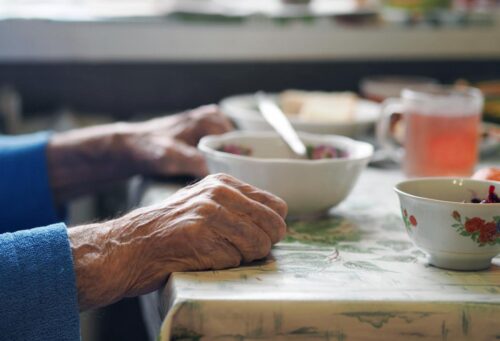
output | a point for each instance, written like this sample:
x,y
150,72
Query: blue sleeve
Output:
x,y
38,298
25,195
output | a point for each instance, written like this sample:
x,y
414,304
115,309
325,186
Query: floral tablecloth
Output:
x,y
352,276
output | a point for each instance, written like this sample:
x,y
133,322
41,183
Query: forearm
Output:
x,y
85,160
97,278
111,258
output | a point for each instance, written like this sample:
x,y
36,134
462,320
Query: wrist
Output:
x,y
123,142
106,142
129,138
137,149
85,160
116,259
99,269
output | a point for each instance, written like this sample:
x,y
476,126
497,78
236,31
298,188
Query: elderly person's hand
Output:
x,y
84,160
217,223
167,145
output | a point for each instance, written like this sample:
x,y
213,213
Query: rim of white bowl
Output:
x,y
243,113
202,145
441,178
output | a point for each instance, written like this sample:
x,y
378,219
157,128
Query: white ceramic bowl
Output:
x,y
242,109
308,186
440,219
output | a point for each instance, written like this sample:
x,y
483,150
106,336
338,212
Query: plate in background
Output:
x,y
242,109
272,8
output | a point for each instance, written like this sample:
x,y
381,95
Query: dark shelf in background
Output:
x,y
127,89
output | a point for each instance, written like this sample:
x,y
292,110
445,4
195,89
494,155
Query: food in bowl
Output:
x,y
309,188
235,149
324,151
440,219
316,106
319,152
492,198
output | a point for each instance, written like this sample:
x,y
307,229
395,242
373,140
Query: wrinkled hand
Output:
x,y
167,145
189,126
216,223
83,161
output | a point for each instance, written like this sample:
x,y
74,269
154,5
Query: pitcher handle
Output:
x,y
388,146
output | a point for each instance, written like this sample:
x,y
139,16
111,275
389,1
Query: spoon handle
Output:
x,y
277,119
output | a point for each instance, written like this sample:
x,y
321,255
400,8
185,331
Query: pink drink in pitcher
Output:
x,y
441,145
441,130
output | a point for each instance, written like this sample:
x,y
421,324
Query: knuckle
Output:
x,y
204,116
268,199
206,207
209,110
222,177
215,177
247,188
219,191
169,148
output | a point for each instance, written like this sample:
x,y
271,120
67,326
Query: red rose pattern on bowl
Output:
x,y
409,220
479,230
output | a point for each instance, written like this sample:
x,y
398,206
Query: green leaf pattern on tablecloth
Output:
x,y
361,259
327,231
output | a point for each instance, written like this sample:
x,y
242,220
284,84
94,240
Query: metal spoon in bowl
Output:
x,y
277,119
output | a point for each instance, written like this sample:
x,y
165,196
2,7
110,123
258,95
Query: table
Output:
x,y
352,276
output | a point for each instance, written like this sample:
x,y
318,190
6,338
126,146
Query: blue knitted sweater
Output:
x,y
38,297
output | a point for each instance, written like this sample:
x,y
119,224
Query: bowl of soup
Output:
x,y
310,186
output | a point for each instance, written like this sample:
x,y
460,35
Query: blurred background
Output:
x,y
71,63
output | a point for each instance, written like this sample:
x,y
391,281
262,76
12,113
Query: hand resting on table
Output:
x,y
216,223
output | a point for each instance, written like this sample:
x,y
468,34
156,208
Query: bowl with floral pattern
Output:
x,y
455,220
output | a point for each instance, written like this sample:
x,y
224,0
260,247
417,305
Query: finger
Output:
x,y
268,199
225,256
210,121
251,241
261,216
211,253
204,110
180,158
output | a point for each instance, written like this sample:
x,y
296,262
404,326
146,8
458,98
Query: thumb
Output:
x,y
185,159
